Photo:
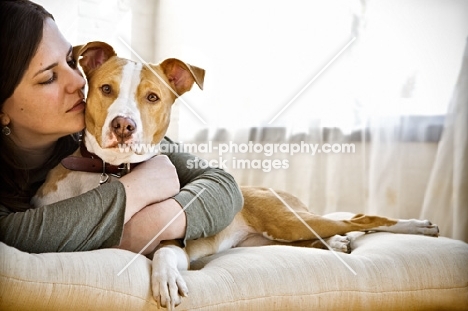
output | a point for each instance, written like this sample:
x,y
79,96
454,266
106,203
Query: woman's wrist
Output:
x,y
134,200
156,222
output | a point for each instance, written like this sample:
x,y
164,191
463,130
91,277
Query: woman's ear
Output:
x,y
4,119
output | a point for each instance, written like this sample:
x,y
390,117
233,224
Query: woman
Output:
x,y
41,110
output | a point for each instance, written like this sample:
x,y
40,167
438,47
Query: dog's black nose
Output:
x,y
123,127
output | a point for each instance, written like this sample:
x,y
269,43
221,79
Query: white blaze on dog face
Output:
x,y
124,105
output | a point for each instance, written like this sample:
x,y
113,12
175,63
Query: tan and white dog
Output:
x,y
121,109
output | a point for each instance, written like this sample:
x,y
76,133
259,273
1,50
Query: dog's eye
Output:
x,y
106,89
152,97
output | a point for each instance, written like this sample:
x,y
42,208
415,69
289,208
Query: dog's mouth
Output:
x,y
112,146
132,148
119,143
115,153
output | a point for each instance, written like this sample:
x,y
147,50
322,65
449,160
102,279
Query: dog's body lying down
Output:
x,y
267,217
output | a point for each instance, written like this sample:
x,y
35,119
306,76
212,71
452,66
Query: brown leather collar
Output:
x,y
89,162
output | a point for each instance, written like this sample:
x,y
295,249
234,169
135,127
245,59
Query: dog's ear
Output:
x,y
181,75
93,54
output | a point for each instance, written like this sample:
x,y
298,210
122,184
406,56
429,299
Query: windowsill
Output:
x,y
404,129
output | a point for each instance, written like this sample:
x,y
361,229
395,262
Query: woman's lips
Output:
x,y
80,105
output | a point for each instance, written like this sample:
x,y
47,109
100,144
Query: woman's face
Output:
x,y
48,102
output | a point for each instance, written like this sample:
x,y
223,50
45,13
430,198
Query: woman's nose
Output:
x,y
76,81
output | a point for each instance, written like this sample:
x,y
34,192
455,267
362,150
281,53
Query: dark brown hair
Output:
x,y
21,24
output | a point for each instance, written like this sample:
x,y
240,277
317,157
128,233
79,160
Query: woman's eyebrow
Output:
x,y
54,64
45,69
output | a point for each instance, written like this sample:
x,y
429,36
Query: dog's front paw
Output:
x,y
166,281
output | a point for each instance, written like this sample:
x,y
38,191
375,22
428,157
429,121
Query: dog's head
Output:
x,y
128,105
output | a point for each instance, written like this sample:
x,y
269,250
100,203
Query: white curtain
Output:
x,y
378,75
446,198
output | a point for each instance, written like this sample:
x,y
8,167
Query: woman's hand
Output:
x,y
152,181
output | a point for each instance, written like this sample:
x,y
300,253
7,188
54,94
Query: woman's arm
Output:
x,y
89,221
214,198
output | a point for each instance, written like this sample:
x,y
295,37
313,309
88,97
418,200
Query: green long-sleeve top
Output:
x,y
95,219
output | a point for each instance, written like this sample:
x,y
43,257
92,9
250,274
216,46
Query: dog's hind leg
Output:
x,y
283,217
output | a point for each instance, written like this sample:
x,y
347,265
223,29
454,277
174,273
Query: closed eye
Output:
x,y
52,79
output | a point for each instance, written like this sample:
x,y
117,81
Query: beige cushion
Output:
x,y
393,272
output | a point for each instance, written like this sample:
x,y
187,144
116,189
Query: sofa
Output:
x,y
384,271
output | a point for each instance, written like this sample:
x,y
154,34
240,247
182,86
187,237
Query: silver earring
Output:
x,y
6,130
